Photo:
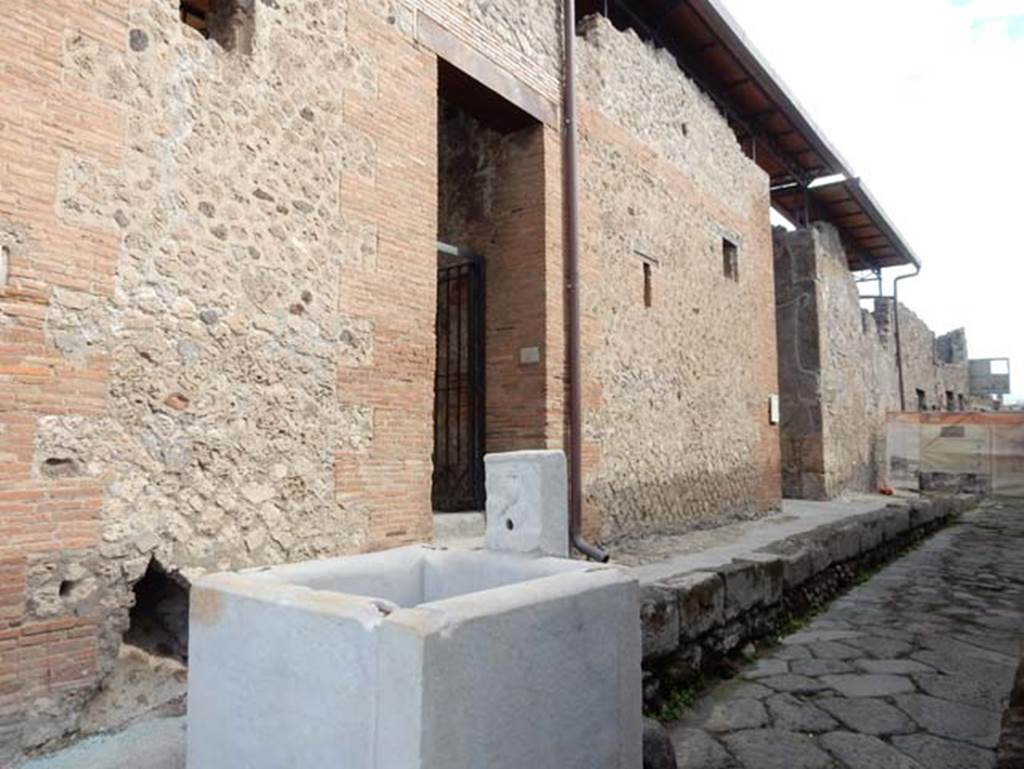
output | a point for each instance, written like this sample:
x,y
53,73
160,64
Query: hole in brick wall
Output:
x,y
922,400
59,467
5,261
66,588
158,622
229,23
730,259
950,400
648,289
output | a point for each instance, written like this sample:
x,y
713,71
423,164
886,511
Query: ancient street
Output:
x,y
910,670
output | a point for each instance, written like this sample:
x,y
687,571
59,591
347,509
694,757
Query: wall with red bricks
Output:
x,y
47,660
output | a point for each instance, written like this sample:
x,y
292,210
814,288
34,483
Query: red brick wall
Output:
x,y
43,115
392,478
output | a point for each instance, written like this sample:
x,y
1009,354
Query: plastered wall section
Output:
x,y
216,325
837,367
676,395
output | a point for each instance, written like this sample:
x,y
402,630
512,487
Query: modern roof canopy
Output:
x,y
770,124
872,240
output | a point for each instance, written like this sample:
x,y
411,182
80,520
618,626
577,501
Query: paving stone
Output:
x,y
695,749
793,653
766,667
736,714
961,664
868,685
815,636
953,720
869,716
820,667
793,684
862,751
777,749
892,667
833,650
936,753
659,752
740,689
882,648
797,715
965,689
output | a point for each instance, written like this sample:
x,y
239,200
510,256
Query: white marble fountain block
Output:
x,y
416,658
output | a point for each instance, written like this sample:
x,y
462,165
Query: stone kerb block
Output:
x,y
797,568
701,601
843,542
920,514
744,587
896,522
872,530
527,502
770,573
659,617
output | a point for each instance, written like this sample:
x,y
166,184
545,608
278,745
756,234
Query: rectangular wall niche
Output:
x,y
730,260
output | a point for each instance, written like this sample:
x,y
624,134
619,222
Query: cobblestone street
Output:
x,y
910,670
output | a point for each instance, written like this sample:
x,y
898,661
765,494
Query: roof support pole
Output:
x,y
572,298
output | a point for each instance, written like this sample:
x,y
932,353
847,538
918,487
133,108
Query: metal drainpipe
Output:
x,y
899,345
572,299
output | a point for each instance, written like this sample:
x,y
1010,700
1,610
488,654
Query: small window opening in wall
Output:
x,y
229,23
950,400
158,622
730,260
922,400
648,287
195,13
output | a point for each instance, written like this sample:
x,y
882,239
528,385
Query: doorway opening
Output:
x,y
459,399
490,285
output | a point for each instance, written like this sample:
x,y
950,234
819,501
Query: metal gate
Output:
x,y
458,482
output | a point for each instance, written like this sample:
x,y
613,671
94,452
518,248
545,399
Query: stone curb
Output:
x,y
692,618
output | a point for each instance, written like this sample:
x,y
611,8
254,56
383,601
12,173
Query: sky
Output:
x,y
925,101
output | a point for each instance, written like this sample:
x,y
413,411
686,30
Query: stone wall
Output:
x,y
676,395
838,378
933,365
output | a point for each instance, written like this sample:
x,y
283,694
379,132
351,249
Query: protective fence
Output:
x,y
981,451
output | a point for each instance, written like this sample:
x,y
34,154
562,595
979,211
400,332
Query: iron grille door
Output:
x,y
458,482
